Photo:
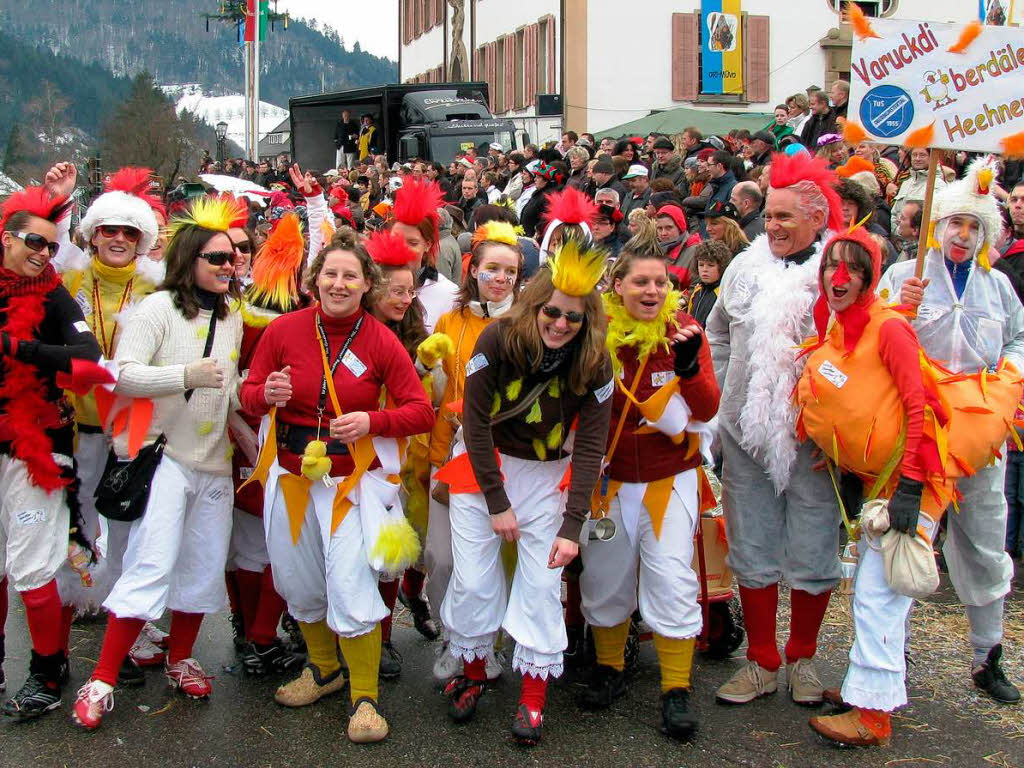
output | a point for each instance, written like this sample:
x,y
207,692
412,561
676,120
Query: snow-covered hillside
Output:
x,y
8,185
230,109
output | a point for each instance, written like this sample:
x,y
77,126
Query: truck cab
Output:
x,y
438,124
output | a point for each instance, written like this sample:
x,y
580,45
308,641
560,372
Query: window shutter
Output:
x,y
756,59
491,70
478,65
439,10
407,20
510,72
530,66
685,56
552,67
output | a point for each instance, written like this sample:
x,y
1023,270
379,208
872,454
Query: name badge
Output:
x,y
354,364
605,392
833,374
476,363
660,378
81,326
244,473
82,300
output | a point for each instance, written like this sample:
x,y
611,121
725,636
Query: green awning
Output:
x,y
673,121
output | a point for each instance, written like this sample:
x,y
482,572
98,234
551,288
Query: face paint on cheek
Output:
x,y
841,275
352,286
485,277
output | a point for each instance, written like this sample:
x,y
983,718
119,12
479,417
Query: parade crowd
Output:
x,y
410,382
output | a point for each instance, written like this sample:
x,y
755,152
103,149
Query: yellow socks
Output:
x,y
362,654
675,656
610,643
321,646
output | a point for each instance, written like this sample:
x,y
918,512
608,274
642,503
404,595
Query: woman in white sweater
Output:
x,y
178,350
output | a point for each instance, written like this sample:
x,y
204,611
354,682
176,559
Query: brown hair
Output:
x,y
344,239
713,251
180,257
525,347
733,238
855,255
643,245
470,290
410,330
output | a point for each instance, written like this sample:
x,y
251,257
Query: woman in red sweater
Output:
x,y
325,462
665,394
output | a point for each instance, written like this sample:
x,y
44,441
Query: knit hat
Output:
x,y
663,142
126,204
706,154
764,136
972,196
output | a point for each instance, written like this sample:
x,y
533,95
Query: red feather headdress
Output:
x,y
570,206
34,200
133,180
389,249
788,170
419,200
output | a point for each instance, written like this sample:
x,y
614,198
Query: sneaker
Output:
x,y
237,632
747,684
36,697
390,662
855,728
155,635
130,675
463,695
258,660
95,698
678,719
296,642
189,678
446,666
64,671
310,687
366,725
146,653
527,726
420,611
803,683
492,666
604,686
990,678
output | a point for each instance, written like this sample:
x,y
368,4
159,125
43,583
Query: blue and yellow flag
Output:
x,y
721,47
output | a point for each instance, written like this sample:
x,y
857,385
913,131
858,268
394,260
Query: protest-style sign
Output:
x,y
907,79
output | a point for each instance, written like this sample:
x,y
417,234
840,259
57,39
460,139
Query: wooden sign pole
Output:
x,y
935,157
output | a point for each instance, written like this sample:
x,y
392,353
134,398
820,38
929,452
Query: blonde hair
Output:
x,y
347,241
733,236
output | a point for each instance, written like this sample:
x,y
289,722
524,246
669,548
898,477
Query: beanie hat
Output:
x,y
663,142
706,154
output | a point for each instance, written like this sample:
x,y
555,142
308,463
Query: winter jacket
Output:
x,y
721,188
672,170
449,255
912,188
630,203
752,225
816,127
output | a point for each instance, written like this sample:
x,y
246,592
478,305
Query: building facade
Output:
x,y
611,62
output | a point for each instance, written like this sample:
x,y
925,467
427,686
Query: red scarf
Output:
x,y
28,414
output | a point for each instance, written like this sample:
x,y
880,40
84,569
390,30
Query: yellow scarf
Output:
x,y
624,330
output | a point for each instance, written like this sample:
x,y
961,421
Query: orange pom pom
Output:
x,y
861,26
921,138
855,164
854,133
1013,146
971,31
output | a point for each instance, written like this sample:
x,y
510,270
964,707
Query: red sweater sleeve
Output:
x,y
265,360
898,347
412,413
701,391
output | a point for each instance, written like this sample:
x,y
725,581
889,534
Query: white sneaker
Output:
x,y
154,634
95,698
446,666
146,653
493,666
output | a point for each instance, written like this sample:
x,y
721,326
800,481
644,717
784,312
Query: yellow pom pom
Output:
x,y
397,545
534,416
554,440
495,405
315,463
514,389
234,355
204,428
316,448
540,449
202,332
434,348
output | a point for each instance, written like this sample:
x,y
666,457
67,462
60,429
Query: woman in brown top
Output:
x,y
532,374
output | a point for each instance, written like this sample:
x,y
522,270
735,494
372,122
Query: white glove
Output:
x,y
203,374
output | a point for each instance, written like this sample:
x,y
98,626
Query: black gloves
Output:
x,y
687,361
905,506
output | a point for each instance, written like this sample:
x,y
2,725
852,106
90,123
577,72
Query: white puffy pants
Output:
x,y
248,547
177,549
876,676
323,575
437,551
662,567
33,527
478,601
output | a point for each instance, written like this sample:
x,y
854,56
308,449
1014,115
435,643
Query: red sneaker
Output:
x,y
94,699
190,678
526,728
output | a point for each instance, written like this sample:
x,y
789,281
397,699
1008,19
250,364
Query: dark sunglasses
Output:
x,y
110,231
550,310
242,246
218,258
37,243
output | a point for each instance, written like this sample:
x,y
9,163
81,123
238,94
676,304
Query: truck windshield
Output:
x,y
443,148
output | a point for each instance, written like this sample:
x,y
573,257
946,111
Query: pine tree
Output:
x,y
19,161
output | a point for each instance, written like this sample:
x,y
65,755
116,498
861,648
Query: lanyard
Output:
x,y
322,336
97,302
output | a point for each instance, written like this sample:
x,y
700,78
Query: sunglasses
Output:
x,y
550,310
37,243
242,246
218,258
110,231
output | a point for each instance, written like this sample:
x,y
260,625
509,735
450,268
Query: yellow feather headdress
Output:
x,y
495,232
214,213
576,268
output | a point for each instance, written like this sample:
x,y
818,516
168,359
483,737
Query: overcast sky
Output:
x,y
374,24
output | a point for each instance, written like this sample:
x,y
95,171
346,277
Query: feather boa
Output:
x,y
780,315
625,330
26,424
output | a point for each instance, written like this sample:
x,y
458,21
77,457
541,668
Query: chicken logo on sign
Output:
x,y
936,89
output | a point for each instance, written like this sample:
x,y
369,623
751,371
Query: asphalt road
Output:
x,y
241,726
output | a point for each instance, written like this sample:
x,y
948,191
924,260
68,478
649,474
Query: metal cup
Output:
x,y
602,529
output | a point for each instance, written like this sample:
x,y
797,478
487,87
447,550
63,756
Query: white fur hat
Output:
x,y
122,208
972,195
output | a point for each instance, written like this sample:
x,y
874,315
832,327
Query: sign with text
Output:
x,y
721,47
908,79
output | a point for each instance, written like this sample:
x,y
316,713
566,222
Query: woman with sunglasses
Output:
x,y
108,281
533,373
42,331
488,292
330,447
179,350
666,393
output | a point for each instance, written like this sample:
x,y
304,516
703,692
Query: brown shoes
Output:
x,y
366,724
856,728
749,683
310,687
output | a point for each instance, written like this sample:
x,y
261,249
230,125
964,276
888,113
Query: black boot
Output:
x,y
296,642
992,680
678,719
3,680
237,632
130,675
575,653
420,611
390,662
41,692
258,660
605,685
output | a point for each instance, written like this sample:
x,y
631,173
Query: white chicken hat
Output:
x,y
971,196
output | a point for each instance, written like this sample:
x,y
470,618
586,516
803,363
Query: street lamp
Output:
x,y
222,140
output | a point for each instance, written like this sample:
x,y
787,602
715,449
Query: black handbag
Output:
x,y
123,491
